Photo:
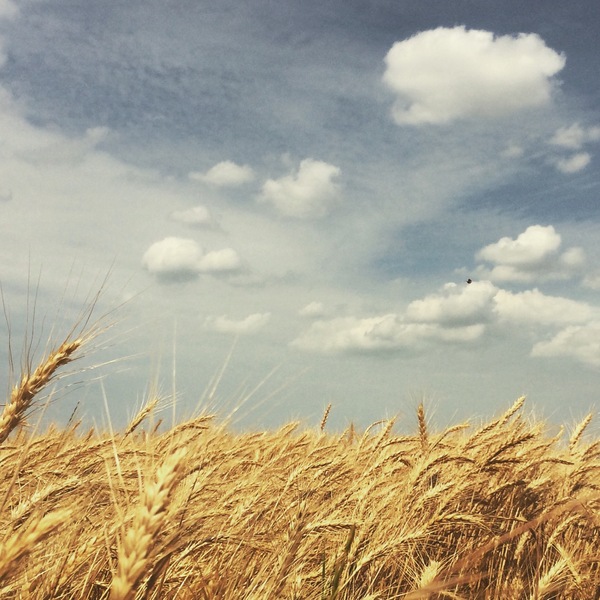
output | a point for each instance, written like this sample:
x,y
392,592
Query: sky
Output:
x,y
282,203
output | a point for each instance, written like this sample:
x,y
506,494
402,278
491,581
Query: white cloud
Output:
x,y
225,174
457,305
379,334
531,248
249,325
173,256
574,136
534,254
450,73
310,192
532,306
182,258
313,310
220,261
197,216
581,342
573,164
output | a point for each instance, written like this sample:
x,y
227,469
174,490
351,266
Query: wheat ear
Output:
x,y
23,541
32,383
138,539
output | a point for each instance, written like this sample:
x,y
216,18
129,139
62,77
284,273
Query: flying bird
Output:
x,y
469,280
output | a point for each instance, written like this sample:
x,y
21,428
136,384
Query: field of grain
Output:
x,y
506,510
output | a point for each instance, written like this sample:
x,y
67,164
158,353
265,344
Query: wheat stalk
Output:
x,y
31,384
138,539
22,542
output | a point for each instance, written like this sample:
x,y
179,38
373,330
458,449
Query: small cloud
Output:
x,y
534,254
581,342
197,216
251,324
180,259
446,74
573,164
308,193
574,136
225,174
173,257
313,310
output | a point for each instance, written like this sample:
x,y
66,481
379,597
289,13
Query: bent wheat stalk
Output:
x,y
32,383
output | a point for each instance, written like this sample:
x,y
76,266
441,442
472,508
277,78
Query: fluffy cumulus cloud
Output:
x,y
451,73
247,326
581,342
197,216
226,260
310,192
225,174
456,305
175,258
533,255
383,333
534,307
456,314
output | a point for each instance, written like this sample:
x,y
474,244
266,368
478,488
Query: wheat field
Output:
x,y
506,510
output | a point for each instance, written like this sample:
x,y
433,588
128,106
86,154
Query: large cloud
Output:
x,y
456,314
533,255
451,73
532,306
456,305
175,258
308,193
225,174
383,333
581,342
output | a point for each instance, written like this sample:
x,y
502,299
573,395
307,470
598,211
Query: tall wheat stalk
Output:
x,y
32,384
138,538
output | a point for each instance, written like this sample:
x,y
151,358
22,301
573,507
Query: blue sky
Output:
x,y
308,187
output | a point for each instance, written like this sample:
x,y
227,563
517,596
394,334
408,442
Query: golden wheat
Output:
x,y
509,511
